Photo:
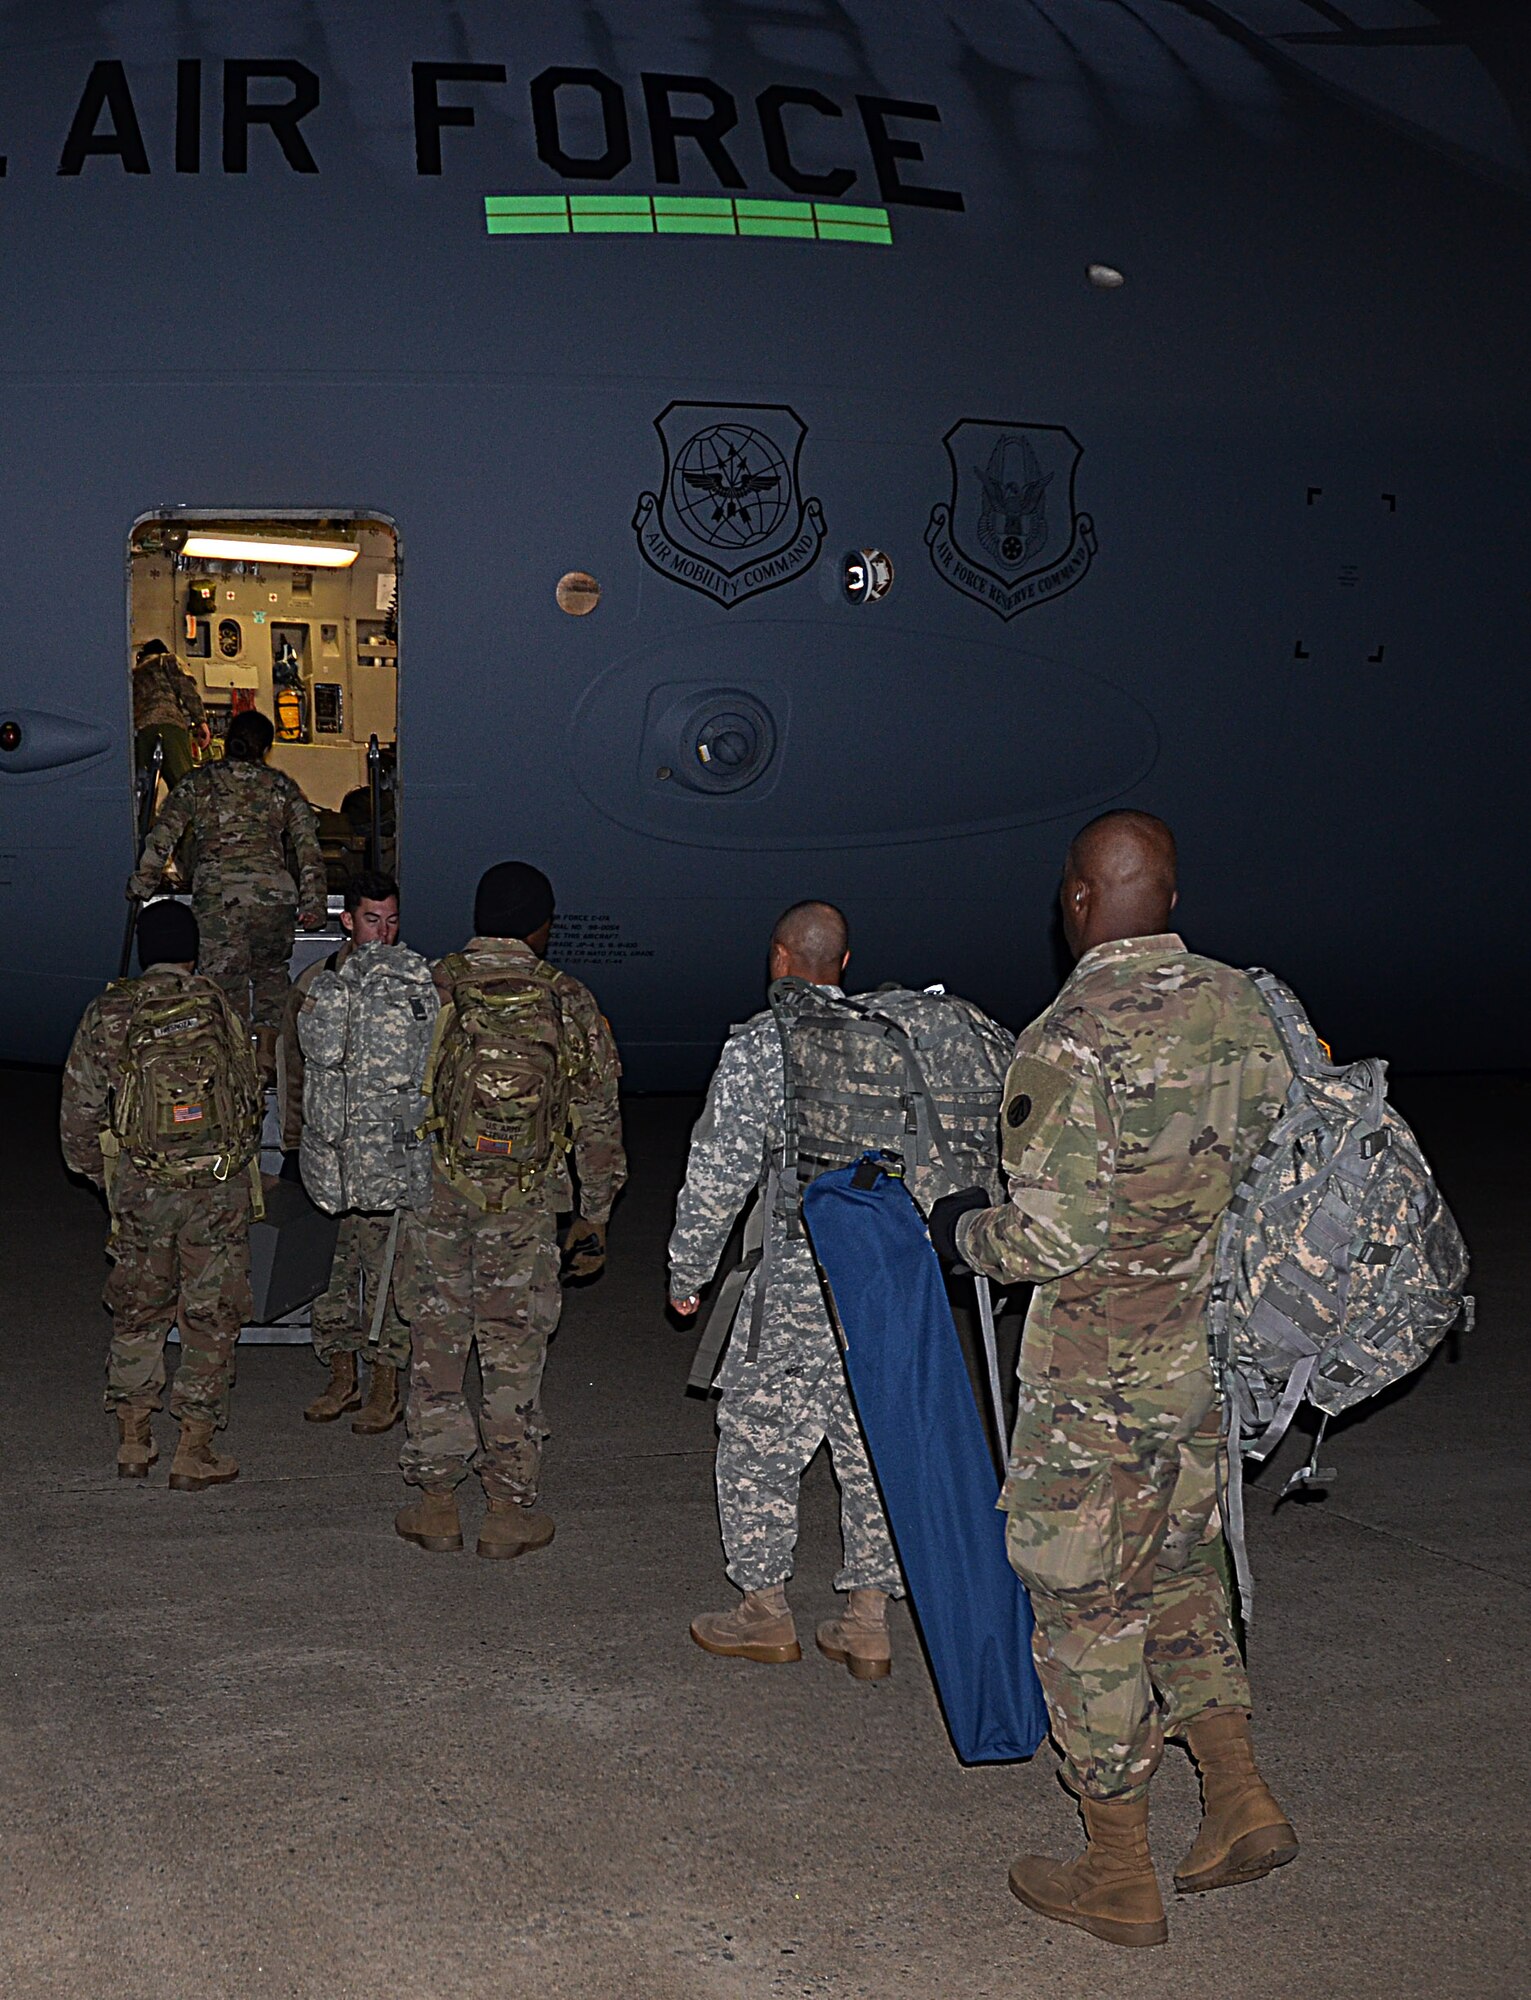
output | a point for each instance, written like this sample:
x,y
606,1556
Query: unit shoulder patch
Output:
x,y
1032,1088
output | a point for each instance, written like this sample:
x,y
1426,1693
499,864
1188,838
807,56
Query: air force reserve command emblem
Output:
x,y
729,518
1011,536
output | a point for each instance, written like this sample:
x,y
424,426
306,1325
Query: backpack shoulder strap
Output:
x,y
791,1001
1295,1032
930,1133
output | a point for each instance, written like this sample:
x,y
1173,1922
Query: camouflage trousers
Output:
x,y
181,1257
465,1277
775,1411
342,1318
246,946
174,739
1113,1530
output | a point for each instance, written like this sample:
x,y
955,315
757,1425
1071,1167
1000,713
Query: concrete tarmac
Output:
x,y
256,1746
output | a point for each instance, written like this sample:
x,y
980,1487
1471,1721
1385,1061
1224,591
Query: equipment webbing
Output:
x,y
721,1313
380,1304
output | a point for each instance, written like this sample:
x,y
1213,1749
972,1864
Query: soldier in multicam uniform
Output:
x,y
342,1317
467,1274
242,816
181,1252
1133,1108
167,709
789,1395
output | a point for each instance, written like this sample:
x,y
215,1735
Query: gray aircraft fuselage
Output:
x,y
701,299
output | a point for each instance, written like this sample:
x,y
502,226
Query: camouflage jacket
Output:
x,y
737,1139
1131,1111
163,691
242,817
595,1114
94,1069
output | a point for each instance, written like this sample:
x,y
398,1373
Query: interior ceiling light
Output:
x,y
256,548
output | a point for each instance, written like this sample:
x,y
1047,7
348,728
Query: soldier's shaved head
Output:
x,y
811,941
1118,880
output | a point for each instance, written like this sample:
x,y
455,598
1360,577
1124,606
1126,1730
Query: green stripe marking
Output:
x,y
528,225
683,215
781,211
611,204
526,204
750,225
695,225
847,211
613,225
852,232
693,204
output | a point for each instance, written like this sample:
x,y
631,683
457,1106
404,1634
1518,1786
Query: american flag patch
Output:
x,y
186,1114
500,1148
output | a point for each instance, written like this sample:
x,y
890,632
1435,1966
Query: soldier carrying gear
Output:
x,y
364,1037
242,817
812,1084
1132,1111
161,1109
167,709
523,1076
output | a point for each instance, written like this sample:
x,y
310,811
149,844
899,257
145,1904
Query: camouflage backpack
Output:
x,y
189,1103
498,1083
1338,1266
918,1075
365,1031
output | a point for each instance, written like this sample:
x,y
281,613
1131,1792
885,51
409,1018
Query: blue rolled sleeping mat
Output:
x,y
926,1439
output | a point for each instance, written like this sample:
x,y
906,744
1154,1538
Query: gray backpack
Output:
x,y
919,1075
365,1030
1338,1266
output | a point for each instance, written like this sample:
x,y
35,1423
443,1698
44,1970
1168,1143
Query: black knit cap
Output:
x,y
167,935
514,899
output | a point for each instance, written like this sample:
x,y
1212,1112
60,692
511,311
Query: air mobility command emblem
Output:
x,y
1011,536
729,518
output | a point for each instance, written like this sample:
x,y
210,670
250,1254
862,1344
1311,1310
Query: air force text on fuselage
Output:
x,y
586,125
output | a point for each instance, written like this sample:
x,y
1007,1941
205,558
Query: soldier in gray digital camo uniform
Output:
x,y
781,1402
1133,1109
341,1317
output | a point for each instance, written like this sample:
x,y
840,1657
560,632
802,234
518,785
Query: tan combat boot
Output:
x,y
510,1529
136,1449
1244,1834
1111,1891
340,1394
759,1628
382,1409
858,1638
431,1522
196,1465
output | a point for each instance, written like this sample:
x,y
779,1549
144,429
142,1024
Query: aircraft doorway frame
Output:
x,y
306,520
